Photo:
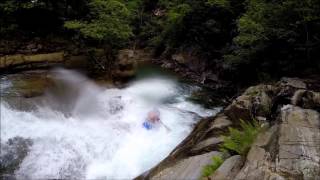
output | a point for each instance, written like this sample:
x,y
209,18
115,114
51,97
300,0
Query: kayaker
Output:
x,y
153,121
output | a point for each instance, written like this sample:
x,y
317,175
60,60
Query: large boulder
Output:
x,y
299,143
290,150
255,102
288,88
260,159
127,62
306,99
293,82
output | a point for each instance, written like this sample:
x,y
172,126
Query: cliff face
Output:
x,y
288,149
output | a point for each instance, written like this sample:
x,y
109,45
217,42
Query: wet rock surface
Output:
x,y
12,154
288,148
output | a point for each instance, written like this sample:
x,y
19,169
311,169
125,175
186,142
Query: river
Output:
x,y
79,129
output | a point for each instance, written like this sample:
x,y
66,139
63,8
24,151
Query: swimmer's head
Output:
x,y
154,115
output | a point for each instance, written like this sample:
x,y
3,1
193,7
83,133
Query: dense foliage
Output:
x,y
246,38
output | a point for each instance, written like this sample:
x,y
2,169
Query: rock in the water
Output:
x,y
229,169
127,62
189,168
12,154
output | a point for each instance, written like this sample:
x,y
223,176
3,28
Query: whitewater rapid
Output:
x,y
80,130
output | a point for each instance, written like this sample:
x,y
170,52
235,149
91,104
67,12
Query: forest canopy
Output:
x,y
271,37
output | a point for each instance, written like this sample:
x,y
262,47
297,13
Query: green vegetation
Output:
x,y
237,141
211,168
109,22
240,141
238,39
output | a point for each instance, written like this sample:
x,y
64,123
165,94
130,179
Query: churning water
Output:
x,y
80,130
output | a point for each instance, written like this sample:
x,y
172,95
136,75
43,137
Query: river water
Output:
x,y
81,130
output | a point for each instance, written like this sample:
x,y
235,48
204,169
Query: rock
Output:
x,y
229,169
207,143
290,150
263,96
220,122
13,153
77,62
125,55
31,46
190,60
39,46
306,99
297,97
293,82
167,65
27,84
189,168
299,143
179,58
259,162
128,61
14,60
241,108
255,101
126,64
312,100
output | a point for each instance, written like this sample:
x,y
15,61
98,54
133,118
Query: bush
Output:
x,y
240,141
211,168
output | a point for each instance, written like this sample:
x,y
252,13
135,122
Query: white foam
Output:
x,y
101,136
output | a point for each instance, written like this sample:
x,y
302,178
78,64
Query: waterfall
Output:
x,y
80,130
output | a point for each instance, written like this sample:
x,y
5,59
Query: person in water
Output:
x,y
153,121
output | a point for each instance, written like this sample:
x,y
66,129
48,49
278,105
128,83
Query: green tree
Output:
x,y
276,37
108,22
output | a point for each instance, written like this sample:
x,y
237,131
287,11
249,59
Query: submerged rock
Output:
x,y
12,154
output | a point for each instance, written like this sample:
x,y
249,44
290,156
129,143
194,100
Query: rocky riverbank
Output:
x,y
288,149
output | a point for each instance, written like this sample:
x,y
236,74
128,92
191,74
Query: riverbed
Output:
x,y
76,128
